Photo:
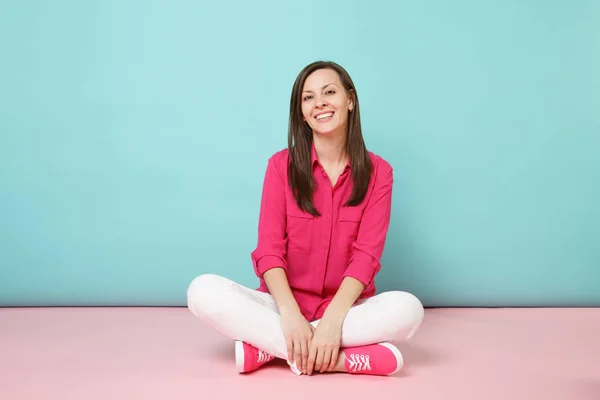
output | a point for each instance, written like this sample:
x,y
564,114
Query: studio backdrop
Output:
x,y
134,138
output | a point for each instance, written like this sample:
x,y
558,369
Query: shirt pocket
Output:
x,y
299,230
349,220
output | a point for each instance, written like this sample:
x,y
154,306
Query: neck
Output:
x,y
331,150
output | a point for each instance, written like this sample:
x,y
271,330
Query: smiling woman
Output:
x,y
324,216
320,113
324,112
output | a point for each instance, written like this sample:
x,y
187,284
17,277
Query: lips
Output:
x,y
324,116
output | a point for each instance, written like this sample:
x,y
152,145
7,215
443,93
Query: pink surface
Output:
x,y
164,353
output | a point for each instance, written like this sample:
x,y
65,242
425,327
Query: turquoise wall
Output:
x,y
134,137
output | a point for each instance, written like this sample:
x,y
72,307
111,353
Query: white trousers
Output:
x,y
241,313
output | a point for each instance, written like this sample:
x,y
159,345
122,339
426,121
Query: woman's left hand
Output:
x,y
325,345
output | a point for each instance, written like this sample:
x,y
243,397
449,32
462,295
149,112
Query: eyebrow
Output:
x,y
310,91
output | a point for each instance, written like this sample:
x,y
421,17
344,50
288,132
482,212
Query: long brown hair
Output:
x,y
300,139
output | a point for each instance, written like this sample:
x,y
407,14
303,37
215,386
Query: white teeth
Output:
x,y
324,115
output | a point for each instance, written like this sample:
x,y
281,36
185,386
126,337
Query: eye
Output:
x,y
330,91
307,97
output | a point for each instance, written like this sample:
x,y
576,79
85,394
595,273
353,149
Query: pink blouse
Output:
x,y
318,252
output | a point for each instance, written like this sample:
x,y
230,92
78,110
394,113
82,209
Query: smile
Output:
x,y
324,116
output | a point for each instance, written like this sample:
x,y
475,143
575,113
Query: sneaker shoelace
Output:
x,y
263,356
359,362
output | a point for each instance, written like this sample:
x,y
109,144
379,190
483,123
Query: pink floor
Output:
x,y
164,353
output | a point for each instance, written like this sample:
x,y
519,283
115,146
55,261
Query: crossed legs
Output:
x,y
250,316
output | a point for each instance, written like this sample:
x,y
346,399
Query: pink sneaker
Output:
x,y
375,359
248,358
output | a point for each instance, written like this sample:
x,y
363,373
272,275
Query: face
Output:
x,y
325,104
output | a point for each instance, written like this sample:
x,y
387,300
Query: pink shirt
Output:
x,y
318,252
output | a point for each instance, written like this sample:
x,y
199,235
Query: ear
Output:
x,y
351,101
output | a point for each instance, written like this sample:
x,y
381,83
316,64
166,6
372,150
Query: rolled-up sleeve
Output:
x,y
271,248
365,261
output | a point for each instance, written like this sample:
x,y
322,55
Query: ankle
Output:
x,y
341,363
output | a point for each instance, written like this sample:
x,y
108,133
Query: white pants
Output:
x,y
251,316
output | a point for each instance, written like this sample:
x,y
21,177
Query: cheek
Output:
x,y
306,116
306,112
341,105
342,112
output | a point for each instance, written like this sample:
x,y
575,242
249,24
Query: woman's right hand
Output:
x,y
298,334
296,329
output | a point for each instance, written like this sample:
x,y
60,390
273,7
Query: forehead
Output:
x,y
319,78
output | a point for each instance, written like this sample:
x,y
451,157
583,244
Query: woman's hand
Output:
x,y
326,341
298,333
325,345
296,329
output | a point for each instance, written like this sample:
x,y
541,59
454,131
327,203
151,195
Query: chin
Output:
x,y
325,131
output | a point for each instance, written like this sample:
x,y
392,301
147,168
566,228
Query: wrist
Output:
x,y
336,313
288,309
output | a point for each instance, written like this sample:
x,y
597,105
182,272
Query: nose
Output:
x,y
321,102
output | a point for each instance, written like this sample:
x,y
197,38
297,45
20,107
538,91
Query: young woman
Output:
x,y
324,216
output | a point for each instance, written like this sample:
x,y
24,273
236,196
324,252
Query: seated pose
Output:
x,y
324,217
